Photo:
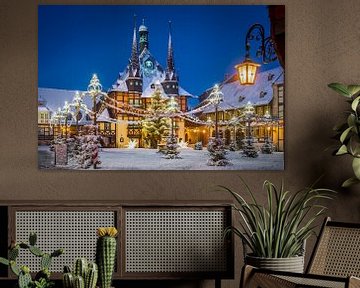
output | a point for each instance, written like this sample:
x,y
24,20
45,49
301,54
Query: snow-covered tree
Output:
x,y
156,126
172,146
217,153
86,148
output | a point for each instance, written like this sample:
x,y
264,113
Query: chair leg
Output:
x,y
217,282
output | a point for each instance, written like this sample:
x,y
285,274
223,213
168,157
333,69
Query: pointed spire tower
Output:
x,y
171,80
170,54
134,80
144,37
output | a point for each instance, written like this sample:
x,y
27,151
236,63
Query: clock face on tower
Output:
x,y
148,67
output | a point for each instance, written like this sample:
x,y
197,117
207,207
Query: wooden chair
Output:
x,y
335,262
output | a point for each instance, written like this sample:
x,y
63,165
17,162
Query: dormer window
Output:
x,y
241,98
271,76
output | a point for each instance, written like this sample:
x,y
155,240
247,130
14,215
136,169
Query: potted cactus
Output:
x,y
106,254
42,278
84,275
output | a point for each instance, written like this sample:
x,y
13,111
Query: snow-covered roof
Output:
x,y
183,92
43,109
143,28
104,116
119,85
261,93
149,91
56,97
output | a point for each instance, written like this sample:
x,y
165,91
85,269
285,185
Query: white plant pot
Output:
x,y
291,264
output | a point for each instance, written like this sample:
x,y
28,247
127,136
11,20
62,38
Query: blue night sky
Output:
x,y
77,41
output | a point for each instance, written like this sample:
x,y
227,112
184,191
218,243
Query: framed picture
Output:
x,y
161,87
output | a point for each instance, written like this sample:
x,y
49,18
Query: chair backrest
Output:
x,y
337,251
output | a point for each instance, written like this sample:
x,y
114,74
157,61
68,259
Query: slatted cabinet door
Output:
x,y
70,228
176,242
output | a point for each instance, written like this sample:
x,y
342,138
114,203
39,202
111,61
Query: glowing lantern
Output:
x,y
247,72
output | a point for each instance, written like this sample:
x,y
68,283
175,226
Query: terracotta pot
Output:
x,y
291,264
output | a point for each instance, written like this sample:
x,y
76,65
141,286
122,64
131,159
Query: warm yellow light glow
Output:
x,y
247,72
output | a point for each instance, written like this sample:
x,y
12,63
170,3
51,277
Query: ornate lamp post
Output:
x,y
173,107
267,148
266,51
249,148
58,116
78,104
234,121
209,123
215,97
95,90
65,111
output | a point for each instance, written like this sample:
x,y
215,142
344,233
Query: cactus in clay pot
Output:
x,y
106,254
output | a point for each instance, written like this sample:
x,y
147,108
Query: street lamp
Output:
x,y
209,123
234,120
58,116
173,107
266,51
215,97
78,104
267,147
249,148
95,89
65,112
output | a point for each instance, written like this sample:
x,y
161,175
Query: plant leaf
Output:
x,y
342,150
349,182
355,103
353,89
340,88
351,120
4,261
354,145
345,134
356,167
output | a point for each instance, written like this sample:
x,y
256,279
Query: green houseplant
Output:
x,y
349,131
275,233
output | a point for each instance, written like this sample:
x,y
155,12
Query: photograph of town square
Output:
x,y
159,87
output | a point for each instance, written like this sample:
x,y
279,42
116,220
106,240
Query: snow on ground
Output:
x,y
149,159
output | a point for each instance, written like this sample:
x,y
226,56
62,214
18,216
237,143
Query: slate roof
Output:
x,y
237,96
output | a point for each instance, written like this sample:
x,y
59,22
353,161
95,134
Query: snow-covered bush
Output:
x,y
198,146
172,151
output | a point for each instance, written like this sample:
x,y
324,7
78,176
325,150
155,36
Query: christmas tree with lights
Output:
x,y
156,126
